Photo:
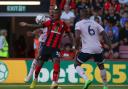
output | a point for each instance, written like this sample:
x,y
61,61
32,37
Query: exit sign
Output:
x,y
43,7
16,8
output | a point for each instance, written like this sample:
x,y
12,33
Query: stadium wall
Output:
x,y
14,71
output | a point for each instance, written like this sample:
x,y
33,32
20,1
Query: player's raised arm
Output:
x,y
24,24
40,19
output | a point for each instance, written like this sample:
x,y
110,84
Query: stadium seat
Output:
x,y
123,51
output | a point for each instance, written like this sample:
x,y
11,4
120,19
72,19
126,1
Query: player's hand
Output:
x,y
23,24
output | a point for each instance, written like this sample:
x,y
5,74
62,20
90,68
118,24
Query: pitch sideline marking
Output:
x,y
59,85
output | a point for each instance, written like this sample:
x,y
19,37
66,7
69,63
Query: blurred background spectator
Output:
x,y
123,35
68,16
111,14
21,47
114,52
4,48
67,53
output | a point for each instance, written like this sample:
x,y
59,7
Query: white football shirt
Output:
x,y
43,36
90,37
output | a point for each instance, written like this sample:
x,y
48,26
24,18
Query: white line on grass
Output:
x,y
59,85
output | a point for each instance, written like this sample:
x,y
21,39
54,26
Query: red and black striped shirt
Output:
x,y
55,32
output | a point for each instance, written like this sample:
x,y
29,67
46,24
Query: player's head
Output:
x,y
40,18
85,13
3,32
56,13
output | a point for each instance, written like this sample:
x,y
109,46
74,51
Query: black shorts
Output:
x,y
46,53
83,57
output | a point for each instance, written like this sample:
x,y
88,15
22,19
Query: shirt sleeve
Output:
x,y
77,26
47,23
99,27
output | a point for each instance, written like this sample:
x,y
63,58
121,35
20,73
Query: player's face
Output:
x,y
56,15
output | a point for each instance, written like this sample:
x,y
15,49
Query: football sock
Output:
x,y
32,68
37,70
56,71
103,76
81,72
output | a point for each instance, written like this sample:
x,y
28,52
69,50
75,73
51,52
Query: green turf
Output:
x,y
62,87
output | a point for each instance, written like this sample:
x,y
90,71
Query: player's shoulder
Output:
x,y
93,21
80,22
49,21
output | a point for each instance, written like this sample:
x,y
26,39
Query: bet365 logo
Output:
x,y
3,72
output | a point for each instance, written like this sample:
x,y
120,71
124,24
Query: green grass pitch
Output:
x,y
21,86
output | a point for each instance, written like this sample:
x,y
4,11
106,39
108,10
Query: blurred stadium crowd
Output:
x,y
111,14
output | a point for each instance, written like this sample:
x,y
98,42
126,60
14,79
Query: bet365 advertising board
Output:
x,y
14,71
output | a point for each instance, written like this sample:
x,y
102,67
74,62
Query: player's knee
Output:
x,y
56,60
101,66
77,64
34,63
39,58
40,62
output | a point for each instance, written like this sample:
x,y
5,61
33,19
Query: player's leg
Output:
x,y
100,62
56,71
37,71
103,75
82,57
33,65
56,67
38,67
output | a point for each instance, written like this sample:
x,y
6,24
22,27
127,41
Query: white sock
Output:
x,y
81,72
32,68
103,76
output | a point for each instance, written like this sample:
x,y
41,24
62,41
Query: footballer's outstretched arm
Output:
x,y
24,24
106,38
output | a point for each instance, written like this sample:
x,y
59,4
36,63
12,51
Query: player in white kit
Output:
x,y
42,39
89,31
